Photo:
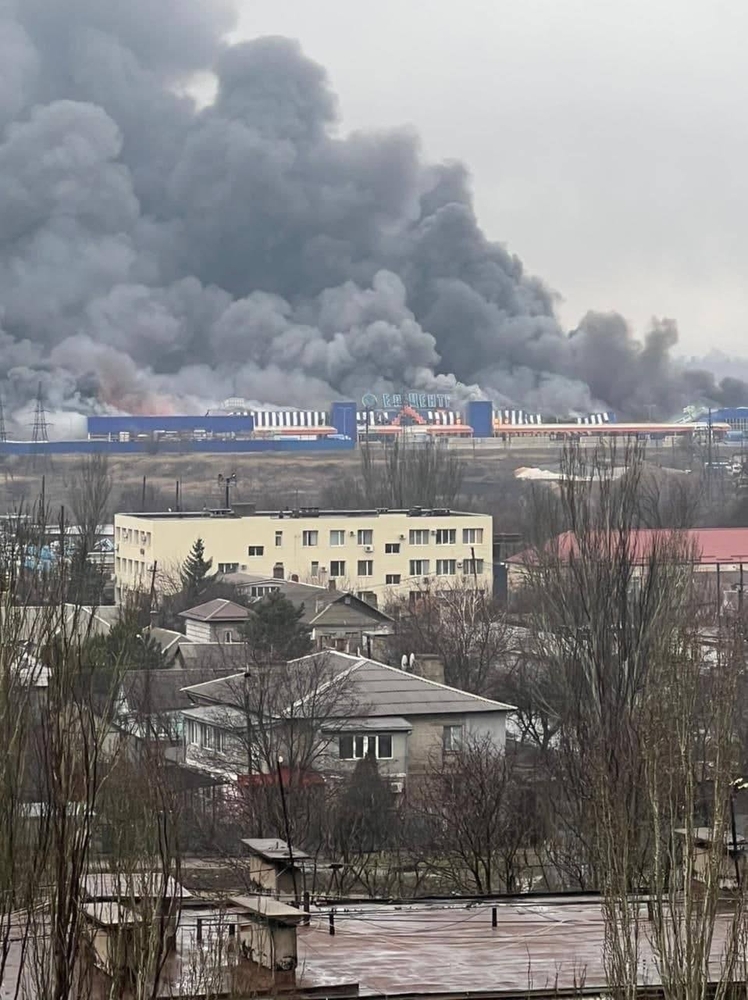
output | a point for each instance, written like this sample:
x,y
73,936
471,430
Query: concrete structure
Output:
x,y
270,866
379,553
392,714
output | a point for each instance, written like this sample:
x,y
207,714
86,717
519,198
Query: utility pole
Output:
x,y
3,431
288,831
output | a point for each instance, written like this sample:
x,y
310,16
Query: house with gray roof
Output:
x,y
356,707
219,620
336,619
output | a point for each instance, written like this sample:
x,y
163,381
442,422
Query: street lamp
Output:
x,y
227,482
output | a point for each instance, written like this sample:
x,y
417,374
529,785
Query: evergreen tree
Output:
x,y
275,630
364,821
196,569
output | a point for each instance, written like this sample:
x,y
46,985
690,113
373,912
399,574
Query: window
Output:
x,y
366,567
279,538
315,568
278,571
228,567
337,538
419,536
472,567
419,567
211,738
309,538
337,567
451,738
369,596
256,550
446,567
352,747
391,548
472,536
446,536
364,536
392,578
228,637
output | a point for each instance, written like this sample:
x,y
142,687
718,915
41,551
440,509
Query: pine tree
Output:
x,y
275,630
196,569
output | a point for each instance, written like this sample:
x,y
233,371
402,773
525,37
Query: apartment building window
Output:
x,y
369,596
418,536
337,567
419,567
256,550
228,567
309,538
451,739
337,538
472,567
392,578
392,548
353,747
278,538
446,536
366,567
446,567
472,536
364,536
314,570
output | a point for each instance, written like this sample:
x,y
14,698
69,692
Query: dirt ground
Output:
x,y
267,479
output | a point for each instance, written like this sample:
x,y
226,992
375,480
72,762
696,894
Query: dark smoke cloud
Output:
x,y
155,256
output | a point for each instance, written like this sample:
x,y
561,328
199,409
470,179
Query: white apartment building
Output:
x,y
376,554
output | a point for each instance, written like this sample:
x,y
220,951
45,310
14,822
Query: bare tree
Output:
x,y
643,717
464,627
480,818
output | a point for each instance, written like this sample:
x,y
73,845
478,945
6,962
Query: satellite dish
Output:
x,y
412,661
404,662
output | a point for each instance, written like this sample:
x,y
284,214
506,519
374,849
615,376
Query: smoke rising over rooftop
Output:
x,y
158,256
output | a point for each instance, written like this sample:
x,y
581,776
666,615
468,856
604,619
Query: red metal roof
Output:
x,y
710,545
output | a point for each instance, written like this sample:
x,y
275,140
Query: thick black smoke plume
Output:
x,y
159,257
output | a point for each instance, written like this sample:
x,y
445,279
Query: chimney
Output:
x,y
429,666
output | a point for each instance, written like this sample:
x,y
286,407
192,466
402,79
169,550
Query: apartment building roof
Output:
x,y
244,511
544,945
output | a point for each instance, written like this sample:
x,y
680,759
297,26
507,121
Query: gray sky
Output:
x,y
606,139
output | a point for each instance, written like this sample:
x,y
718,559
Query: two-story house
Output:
x,y
326,711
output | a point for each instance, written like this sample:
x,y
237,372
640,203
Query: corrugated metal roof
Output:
x,y
710,545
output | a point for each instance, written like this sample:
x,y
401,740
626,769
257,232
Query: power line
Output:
x,y
3,431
